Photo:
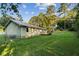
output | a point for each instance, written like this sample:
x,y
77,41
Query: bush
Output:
x,y
72,29
66,24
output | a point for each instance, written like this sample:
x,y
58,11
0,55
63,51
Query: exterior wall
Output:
x,y
33,32
44,32
23,32
13,30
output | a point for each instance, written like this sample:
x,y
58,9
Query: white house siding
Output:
x,y
13,30
23,32
44,32
34,31
29,33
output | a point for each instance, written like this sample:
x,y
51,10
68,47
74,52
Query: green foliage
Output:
x,y
12,8
63,10
1,27
34,21
5,8
77,20
4,19
67,21
69,24
77,23
63,7
41,20
44,20
60,24
50,10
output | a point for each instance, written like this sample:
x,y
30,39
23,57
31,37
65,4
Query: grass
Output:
x,y
63,43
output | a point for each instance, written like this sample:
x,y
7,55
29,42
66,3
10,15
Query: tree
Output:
x,y
44,20
52,18
77,20
50,10
4,19
35,20
63,10
12,8
40,20
5,7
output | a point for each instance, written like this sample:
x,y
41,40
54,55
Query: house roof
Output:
x,y
21,23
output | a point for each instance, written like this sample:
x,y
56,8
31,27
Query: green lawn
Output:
x,y
59,43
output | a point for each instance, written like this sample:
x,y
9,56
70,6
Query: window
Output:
x,y
27,30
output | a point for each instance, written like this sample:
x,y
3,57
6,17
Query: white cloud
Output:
x,y
45,4
29,12
42,8
48,4
32,12
24,6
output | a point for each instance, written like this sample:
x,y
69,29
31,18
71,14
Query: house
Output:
x,y
18,29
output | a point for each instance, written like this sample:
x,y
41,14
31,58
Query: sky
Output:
x,y
28,10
